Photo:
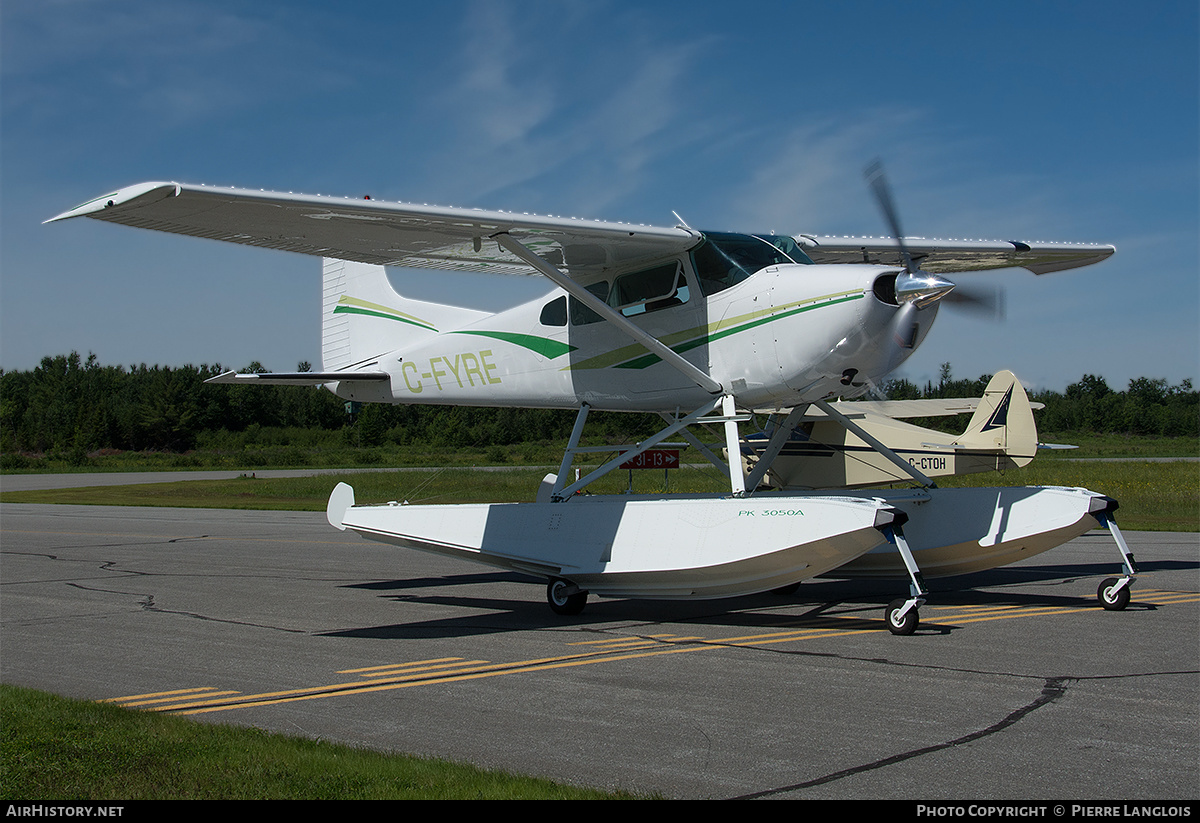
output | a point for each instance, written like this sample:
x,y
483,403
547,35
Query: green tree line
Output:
x,y
1148,406
71,405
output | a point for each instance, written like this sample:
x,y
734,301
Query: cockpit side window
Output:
x,y
724,260
790,248
650,290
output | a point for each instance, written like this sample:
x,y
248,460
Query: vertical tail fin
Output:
x,y
362,316
1003,420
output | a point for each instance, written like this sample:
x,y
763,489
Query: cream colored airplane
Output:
x,y
699,327
821,453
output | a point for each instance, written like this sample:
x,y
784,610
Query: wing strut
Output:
x,y
562,491
774,446
906,467
671,358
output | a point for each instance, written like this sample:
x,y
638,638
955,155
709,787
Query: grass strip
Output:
x,y
1152,496
310,493
293,449
54,748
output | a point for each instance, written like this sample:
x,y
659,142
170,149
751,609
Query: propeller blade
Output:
x,y
877,180
987,301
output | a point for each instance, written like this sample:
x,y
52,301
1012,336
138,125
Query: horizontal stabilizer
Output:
x,y
300,378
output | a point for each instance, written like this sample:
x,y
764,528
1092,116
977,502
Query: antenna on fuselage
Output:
x,y
682,222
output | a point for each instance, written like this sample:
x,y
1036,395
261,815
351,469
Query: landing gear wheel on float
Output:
x,y
1111,597
898,623
561,601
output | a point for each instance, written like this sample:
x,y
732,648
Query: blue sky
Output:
x,y
1016,120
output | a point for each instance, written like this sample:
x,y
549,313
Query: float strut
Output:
x,y
1103,508
1114,592
901,615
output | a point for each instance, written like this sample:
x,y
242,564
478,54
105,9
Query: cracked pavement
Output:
x,y
1016,686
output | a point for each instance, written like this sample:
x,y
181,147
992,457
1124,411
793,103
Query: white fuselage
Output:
x,y
786,335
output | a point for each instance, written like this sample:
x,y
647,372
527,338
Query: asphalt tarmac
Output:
x,y
1017,685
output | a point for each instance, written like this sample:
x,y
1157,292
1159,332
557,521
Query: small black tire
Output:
x,y
790,588
1111,598
561,602
901,625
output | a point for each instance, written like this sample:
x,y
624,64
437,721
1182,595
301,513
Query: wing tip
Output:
x,y
121,197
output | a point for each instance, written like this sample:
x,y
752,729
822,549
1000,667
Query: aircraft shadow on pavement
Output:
x,y
841,604
451,580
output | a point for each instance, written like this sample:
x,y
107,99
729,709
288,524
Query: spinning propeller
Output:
x,y
920,288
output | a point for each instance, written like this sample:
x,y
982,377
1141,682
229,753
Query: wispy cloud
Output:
x,y
147,63
621,111
527,106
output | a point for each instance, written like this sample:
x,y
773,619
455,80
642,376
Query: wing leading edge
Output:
x,y
382,233
433,237
895,409
949,256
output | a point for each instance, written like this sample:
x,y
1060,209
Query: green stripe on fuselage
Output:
x,y
544,346
353,305
636,357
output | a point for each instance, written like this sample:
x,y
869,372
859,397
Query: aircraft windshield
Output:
x,y
788,246
724,260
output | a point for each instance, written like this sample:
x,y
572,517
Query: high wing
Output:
x,y
947,256
383,233
433,237
902,409
895,409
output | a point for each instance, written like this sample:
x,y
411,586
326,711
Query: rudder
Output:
x,y
1003,420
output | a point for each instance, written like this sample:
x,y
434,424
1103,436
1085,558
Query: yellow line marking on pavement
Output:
x,y
164,697
650,638
399,665
160,694
427,669
207,694
456,669
468,673
1007,607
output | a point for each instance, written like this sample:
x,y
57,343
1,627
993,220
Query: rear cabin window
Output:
x,y
635,293
554,313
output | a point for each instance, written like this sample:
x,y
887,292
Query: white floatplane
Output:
x,y
699,327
